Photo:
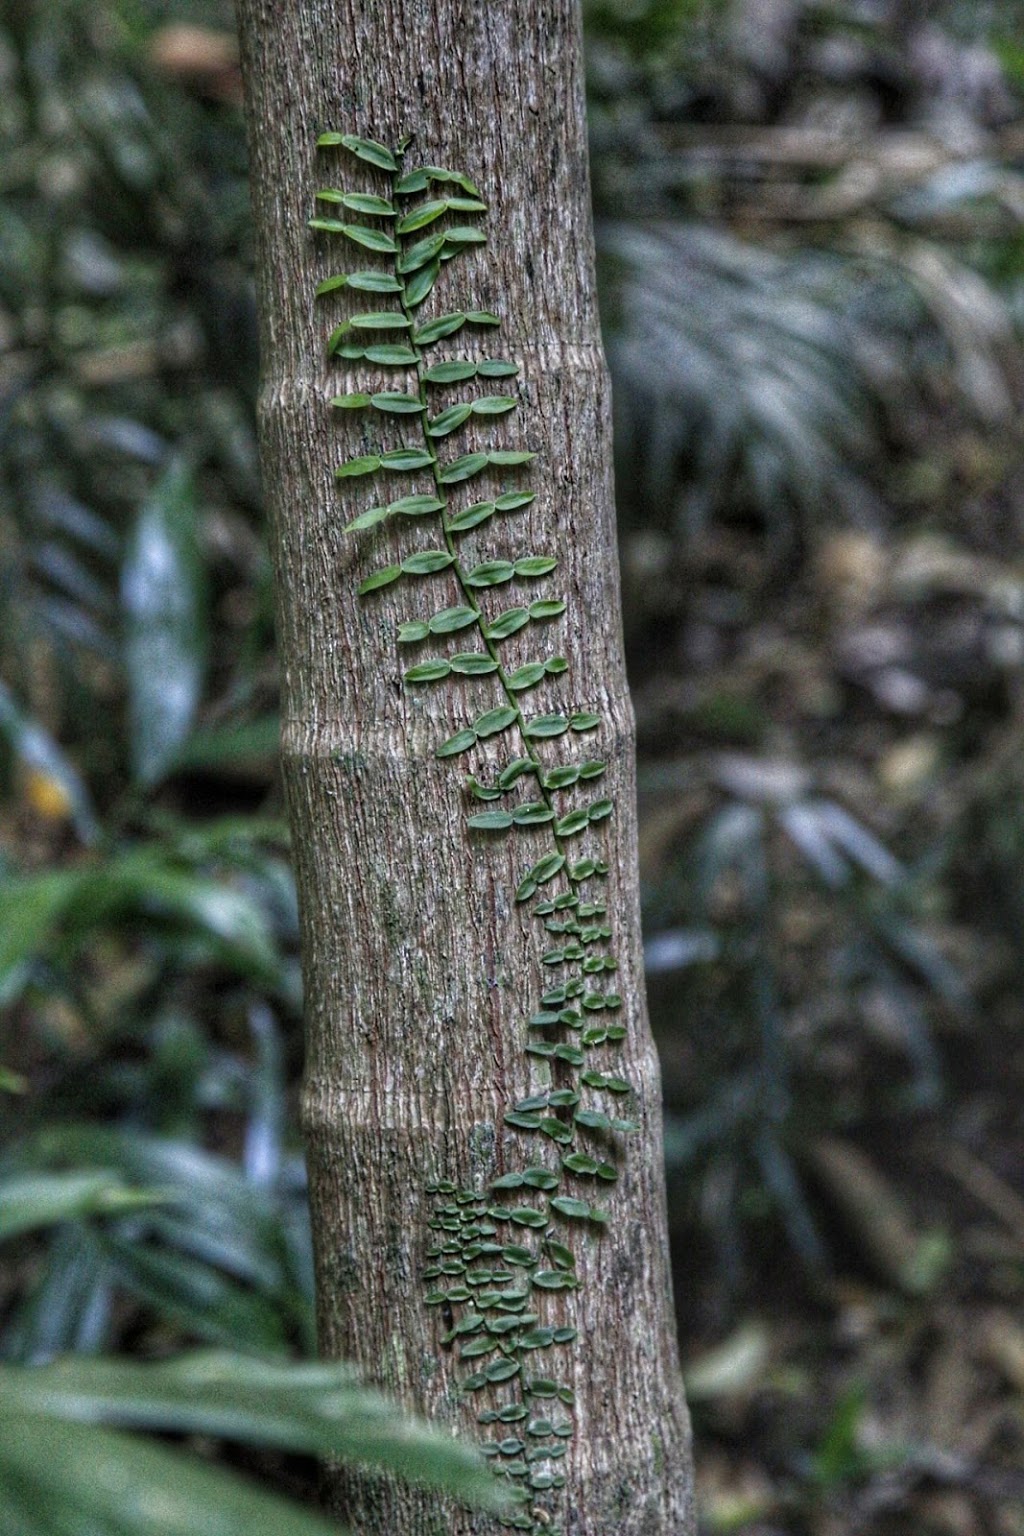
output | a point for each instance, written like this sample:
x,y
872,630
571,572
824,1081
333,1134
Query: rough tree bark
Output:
x,y
419,967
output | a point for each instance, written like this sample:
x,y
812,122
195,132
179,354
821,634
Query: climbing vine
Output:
x,y
496,1258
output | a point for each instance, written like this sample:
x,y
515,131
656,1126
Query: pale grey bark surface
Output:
x,y
419,968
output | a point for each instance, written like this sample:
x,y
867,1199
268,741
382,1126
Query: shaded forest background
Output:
x,y
811,234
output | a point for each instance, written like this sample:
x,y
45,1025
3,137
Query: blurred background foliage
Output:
x,y
811,257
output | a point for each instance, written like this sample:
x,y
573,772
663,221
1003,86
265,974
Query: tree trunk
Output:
x,y
421,966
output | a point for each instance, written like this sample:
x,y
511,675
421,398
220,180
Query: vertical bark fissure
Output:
x,y
415,961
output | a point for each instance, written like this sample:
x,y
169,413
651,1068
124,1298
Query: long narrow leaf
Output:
x,y
164,615
316,1408
84,1481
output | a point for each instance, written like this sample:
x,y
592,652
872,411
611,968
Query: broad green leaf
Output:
x,y
358,202
491,573
421,283
380,320
464,234
411,631
366,464
350,402
32,1200
331,284
397,403
535,814
510,456
507,623
535,565
565,1205
419,254
543,727
592,1119
471,517
78,1480
495,368
412,181
420,217
525,677
416,506
450,619
434,330
428,672
406,458
463,468
494,405
457,743
562,777
547,608
163,600
368,519
370,151
374,282
426,562
490,821
569,825
494,720
450,373
362,234
382,578
393,354
447,421
514,771
473,664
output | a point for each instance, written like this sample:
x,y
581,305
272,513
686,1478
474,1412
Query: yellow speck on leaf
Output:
x,y
47,796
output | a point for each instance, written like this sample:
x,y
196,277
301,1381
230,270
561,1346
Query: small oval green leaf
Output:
x,y
434,330
460,742
448,420
492,573
380,320
368,150
391,353
450,619
420,217
507,623
382,578
406,458
366,464
463,468
473,664
494,720
450,373
421,282
490,821
374,282
426,561
428,672
535,565
494,405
